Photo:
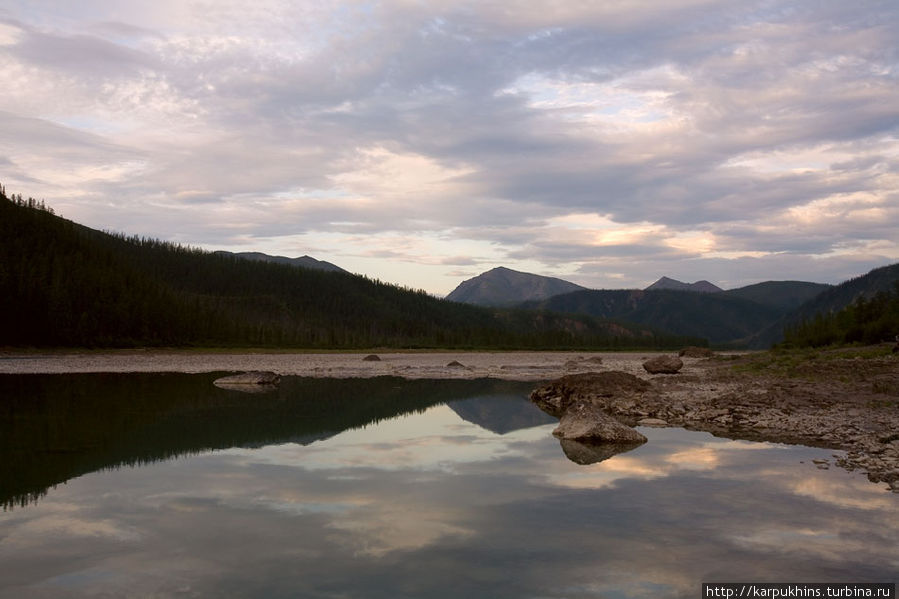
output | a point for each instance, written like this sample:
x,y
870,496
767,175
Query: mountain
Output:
x,y
700,286
302,261
66,285
718,317
505,287
783,295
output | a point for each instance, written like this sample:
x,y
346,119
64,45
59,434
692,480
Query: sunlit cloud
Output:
x,y
608,142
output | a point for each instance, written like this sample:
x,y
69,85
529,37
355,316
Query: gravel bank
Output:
x,y
519,366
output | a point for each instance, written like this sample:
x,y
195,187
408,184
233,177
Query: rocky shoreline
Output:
x,y
838,400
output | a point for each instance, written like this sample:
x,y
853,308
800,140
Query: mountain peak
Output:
x,y
503,286
699,286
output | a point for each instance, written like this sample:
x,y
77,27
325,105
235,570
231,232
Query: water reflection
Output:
x,y
55,427
593,453
428,504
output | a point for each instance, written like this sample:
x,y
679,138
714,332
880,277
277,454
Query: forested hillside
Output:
x,y
872,317
718,317
782,295
67,285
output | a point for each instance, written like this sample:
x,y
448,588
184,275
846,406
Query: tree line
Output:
x,y
867,320
67,285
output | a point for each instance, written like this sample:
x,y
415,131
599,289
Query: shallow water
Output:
x,y
164,485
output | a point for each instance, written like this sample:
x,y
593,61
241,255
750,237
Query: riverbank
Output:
x,y
839,399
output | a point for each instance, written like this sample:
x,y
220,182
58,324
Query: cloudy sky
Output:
x,y
424,142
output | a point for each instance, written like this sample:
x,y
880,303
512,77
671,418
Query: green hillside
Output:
x,y
67,285
718,317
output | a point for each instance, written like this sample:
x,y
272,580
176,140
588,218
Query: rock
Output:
x,y
652,422
663,365
591,453
372,358
455,364
696,352
583,421
555,397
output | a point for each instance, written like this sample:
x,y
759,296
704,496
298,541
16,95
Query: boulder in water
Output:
x,y
584,421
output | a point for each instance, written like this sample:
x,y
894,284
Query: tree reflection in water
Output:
x,y
56,427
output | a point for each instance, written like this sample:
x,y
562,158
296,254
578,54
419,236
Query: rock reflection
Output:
x,y
251,389
592,453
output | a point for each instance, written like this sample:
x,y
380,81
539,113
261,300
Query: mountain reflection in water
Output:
x,y
391,488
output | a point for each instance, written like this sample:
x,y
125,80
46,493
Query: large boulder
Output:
x,y
584,421
663,365
555,397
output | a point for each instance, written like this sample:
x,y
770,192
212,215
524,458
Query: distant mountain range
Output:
x,y
700,286
302,261
751,316
726,317
506,287
503,286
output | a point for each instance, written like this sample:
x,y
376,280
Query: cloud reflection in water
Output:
x,y
428,505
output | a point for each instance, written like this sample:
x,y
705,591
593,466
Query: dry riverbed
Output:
x,y
839,399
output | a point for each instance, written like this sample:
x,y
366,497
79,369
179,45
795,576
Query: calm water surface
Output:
x,y
166,486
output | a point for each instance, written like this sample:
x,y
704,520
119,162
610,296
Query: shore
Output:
x,y
517,366
838,399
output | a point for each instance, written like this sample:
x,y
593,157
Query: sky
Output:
x,y
421,143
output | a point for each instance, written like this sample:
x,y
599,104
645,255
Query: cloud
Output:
x,y
729,129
